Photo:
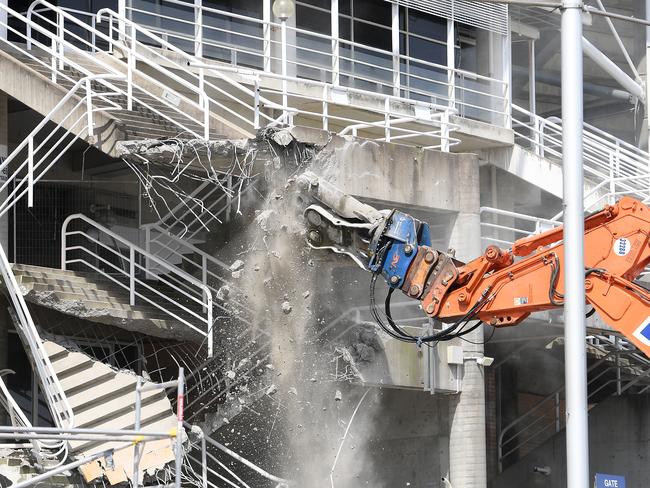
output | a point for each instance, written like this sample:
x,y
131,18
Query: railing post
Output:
x,y
396,49
285,96
131,275
256,113
54,48
61,35
180,405
198,28
204,462
137,448
612,182
387,119
325,109
64,245
266,19
89,108
537,138
618,365
30,172
93,37
336,78
121,25
204,278
445,145
557,412
130,69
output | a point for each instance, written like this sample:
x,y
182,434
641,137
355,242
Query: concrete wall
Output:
x,y
619,443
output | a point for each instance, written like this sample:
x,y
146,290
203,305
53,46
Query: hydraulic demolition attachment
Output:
x,y
500,288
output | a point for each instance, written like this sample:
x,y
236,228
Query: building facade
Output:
x,y
148,239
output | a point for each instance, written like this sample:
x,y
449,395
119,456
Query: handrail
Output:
x,y
51,387
554,398
34,144
130,67
205,455
201,82
199,40
184,284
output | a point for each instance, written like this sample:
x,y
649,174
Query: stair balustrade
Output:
x,y
50,386
93,247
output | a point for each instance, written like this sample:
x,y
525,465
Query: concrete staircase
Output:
x,y
99,299
104,398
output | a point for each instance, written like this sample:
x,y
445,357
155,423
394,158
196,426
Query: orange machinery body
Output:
x,y
511,284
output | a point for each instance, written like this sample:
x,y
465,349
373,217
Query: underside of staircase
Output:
x,y
100,299
102,397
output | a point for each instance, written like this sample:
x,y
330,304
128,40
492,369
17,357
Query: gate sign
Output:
x,y
609,481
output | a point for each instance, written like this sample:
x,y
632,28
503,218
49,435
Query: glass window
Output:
x,y
373,36
428,26
430,51
314,20
375,11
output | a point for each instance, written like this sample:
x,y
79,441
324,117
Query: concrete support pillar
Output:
x,y
467,460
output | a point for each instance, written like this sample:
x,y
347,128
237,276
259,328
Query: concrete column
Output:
x,y
467,459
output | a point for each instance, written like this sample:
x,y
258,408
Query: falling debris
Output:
x,y
286,307
306,294
338,396
237,265
223,293
231,375
272,390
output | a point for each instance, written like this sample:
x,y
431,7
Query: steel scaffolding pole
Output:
x,y
577,435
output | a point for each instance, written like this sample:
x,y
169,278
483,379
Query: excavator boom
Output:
x,y
503,286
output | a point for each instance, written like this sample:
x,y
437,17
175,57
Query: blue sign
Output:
x,y
609,481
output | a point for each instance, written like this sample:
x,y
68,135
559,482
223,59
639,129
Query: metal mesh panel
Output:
x,y
37,230
488,16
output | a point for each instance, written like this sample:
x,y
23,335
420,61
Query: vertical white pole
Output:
x,y
89,109
30,172
285,97
532,95
396,52
131,276
266,32
335,43
451,84
575,356
180,405
121,26
647,71
198,28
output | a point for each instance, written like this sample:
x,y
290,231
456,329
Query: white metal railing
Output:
x,y
210,464
68,41
615,167
248,42
504,227
18,419
190,301
43,146
53,392
547,416
429,123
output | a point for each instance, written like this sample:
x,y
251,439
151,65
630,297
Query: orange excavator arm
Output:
x,y
503,286
617,250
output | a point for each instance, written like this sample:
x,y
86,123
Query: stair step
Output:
x,y
71,364
117,408
150,414
149,425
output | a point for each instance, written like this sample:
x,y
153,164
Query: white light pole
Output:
x,y
575,353
284,9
